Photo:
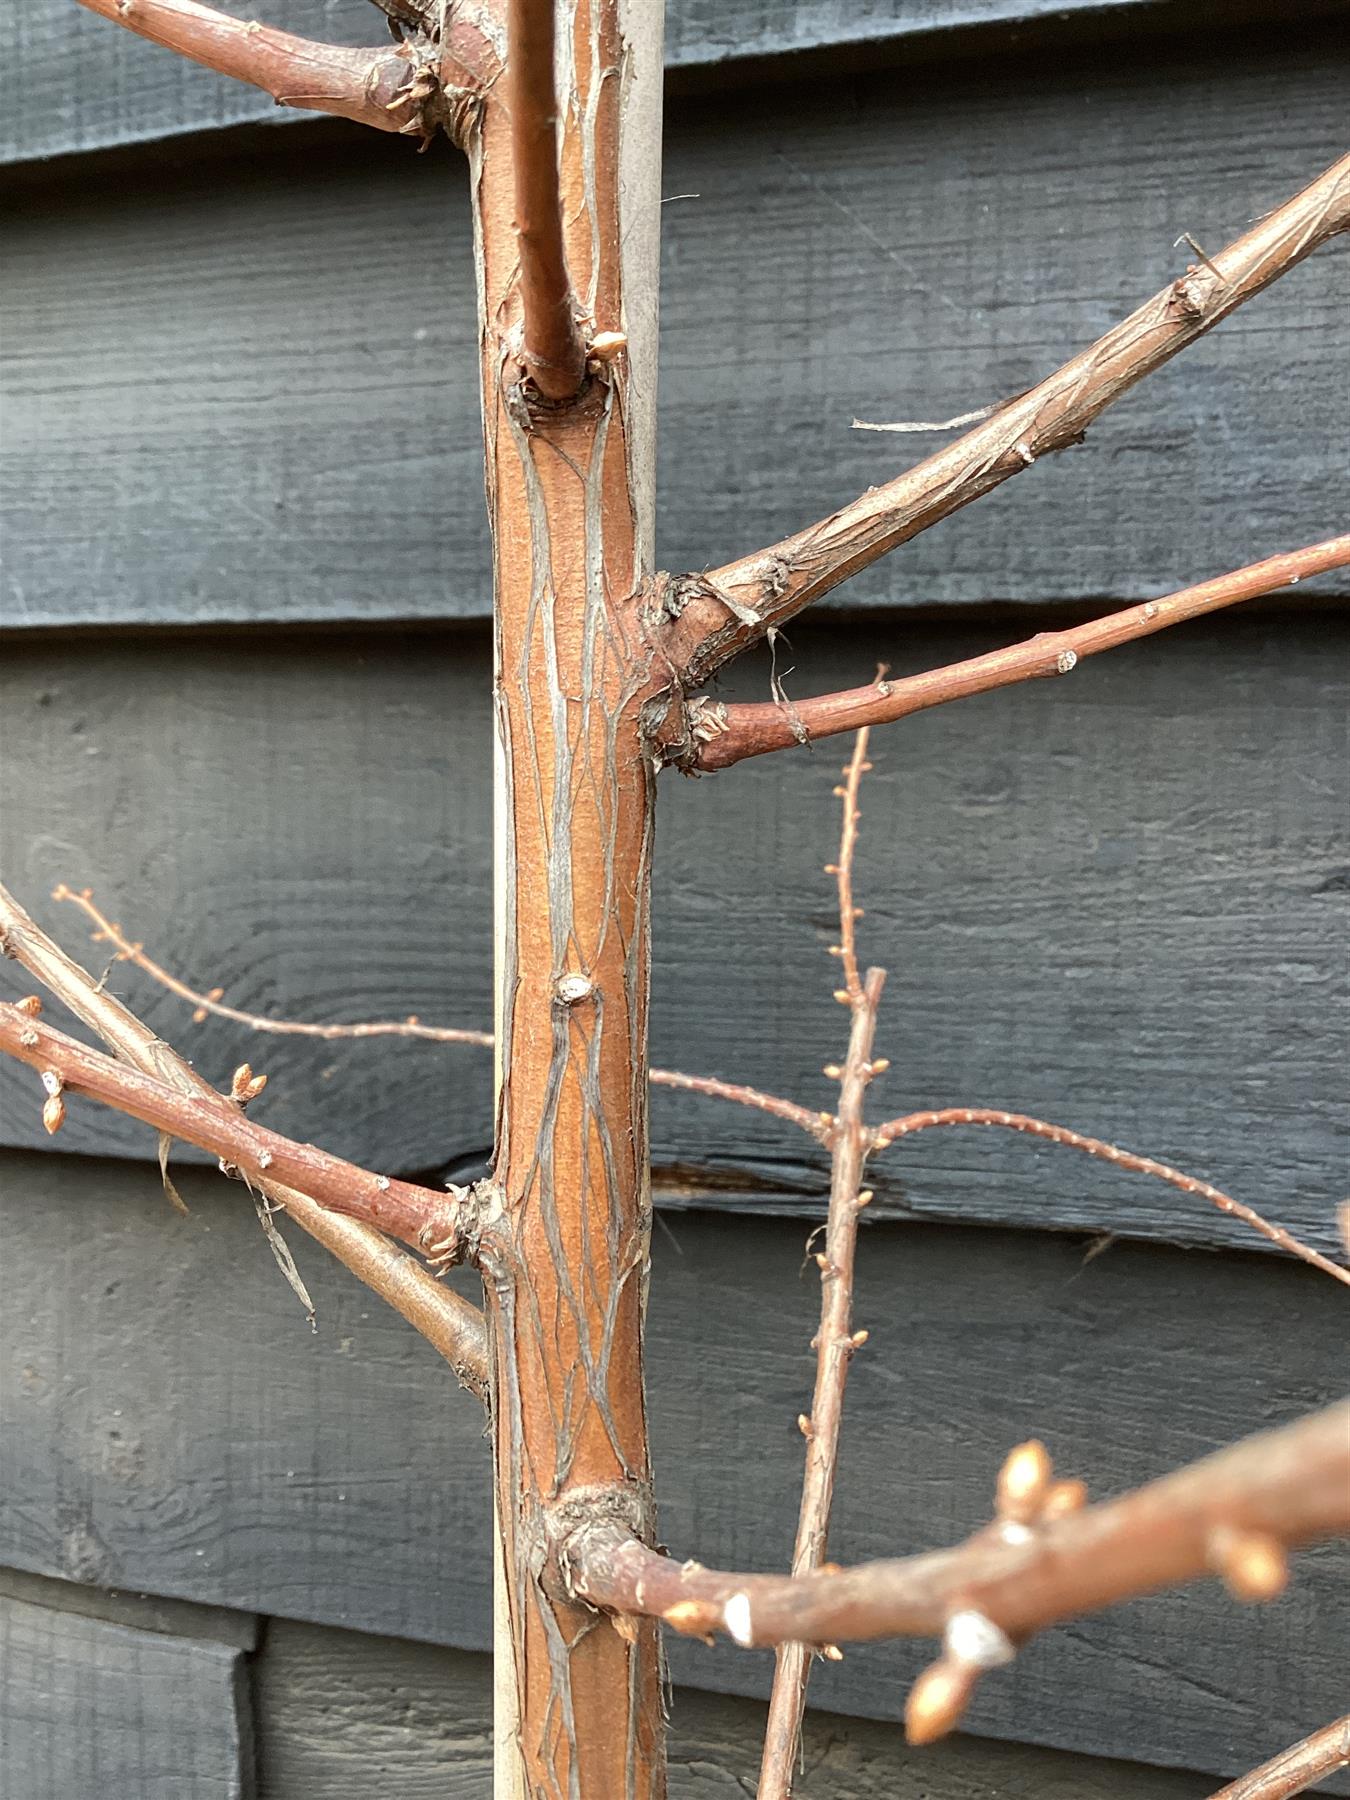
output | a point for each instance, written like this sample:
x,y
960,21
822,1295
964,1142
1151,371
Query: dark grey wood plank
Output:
x,y
336,1478
70,83
344,1716
1117,901
96,1711
139,1612
219,408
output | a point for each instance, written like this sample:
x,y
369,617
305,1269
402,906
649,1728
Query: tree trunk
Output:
x,y
565,1251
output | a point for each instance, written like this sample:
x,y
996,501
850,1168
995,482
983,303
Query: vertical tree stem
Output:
x,y
565,1262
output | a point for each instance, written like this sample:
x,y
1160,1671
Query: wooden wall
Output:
x,y
244,695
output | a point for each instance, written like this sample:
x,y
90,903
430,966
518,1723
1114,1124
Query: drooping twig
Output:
x,y
419,1216
706,619
1296,1769
743,730
1229,1513
895,1129
449,1322
392,88
836,1341
816,1124
552,350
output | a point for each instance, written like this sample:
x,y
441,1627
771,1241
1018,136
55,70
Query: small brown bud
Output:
x,y
1022,1482
805,1426
822,1261
31,1006
937,1701
626,1626
240,1080
1252,1563
865,1197
832,1071
53,1113
695,1618
880,1066
832,1653
843,996
1063,1498
859,1338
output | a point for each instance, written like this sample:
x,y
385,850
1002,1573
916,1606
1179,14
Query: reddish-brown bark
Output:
x,y
726,733
1296,1769
1288,1487
699,631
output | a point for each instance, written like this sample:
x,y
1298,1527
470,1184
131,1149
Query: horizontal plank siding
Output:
x,y
221,407
71,84
170,1424
91,1710
344,1716
1117,901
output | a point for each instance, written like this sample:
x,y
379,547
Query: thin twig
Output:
x,y
552,350
721,612
836,1341
1281,1488
1123,1159
815,1123
1296,1769
391,88
448,1321
752,729
419,1216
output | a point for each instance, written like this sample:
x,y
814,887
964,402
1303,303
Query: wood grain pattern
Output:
x,y
68,86
93,1710
1116,901
873,251
344,1716
254,1466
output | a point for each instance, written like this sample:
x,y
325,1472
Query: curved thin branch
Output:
x,y
1280,1488
816,1124
392,88
106,932
703,620
552,350
726,733
1123,1159
1294,1770
422,1217
449,1323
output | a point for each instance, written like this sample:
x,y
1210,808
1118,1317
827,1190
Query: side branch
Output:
x,y
703,620
394,88
552,350
836,1341
1299,1767
422,1217
451,1324
1279,1489
1122,1159
724,733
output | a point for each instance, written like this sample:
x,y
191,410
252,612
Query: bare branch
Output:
x,y
727,733
1227,1513
836,1341
552,350
1299,1767
1123,1159
423,1217
703,620
449,1322
394,88
816,1124
107,932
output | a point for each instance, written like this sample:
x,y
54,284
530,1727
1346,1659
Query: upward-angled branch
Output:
x,y
449,1322
1294,1770
552,350
394,88
723,733
703,620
